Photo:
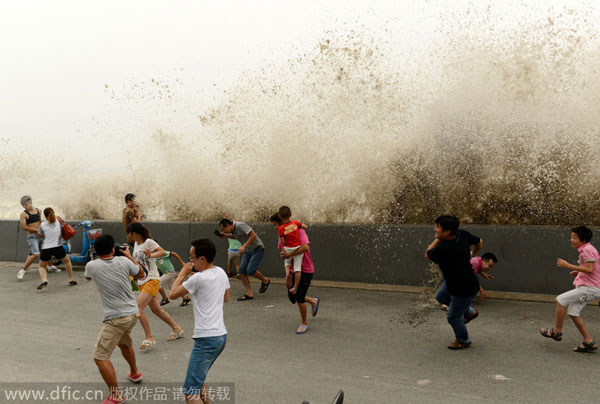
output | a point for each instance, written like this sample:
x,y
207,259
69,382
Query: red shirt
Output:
x,y
307,263
290,232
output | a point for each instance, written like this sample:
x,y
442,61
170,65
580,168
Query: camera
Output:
x,y
119,248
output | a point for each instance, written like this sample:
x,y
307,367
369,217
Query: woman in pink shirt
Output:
x,y
587,288
307,271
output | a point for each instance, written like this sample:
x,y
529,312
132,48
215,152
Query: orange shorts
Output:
x,y
151,287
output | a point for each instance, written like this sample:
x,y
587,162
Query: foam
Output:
x,y
493,118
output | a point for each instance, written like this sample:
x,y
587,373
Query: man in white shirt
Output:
x,y
209,289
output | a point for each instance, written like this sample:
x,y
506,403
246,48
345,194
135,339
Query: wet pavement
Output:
x,y
378,346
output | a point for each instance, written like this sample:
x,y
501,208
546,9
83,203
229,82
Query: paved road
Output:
x,y
379,347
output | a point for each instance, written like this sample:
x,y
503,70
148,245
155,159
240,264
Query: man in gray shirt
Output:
x,y
252,252
111,275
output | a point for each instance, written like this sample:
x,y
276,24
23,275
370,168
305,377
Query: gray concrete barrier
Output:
x,y
385,254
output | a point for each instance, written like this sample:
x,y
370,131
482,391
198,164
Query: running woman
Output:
x,y
145,252
51,231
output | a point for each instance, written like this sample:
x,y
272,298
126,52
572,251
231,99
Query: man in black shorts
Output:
x,y
306,276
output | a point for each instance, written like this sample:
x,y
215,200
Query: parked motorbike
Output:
x,y
87,247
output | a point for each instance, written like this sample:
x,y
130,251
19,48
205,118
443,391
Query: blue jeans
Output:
x,y
458,307
205,352
251,261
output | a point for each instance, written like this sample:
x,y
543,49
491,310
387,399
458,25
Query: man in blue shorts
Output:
x,y
252,252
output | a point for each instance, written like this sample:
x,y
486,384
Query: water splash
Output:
x,y
492,117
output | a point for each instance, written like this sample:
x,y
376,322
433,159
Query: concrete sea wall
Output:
x,y
384,254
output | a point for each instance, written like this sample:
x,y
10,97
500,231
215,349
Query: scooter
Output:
x,y
87,248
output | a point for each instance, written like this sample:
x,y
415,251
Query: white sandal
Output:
x,y
147,344
175,335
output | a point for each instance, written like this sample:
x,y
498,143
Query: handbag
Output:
x,y
67,231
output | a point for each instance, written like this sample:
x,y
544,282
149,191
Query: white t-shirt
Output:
x,y
207,289
52,233
148,264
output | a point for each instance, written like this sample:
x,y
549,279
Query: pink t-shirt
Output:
x,y
477,265
588,253
307,263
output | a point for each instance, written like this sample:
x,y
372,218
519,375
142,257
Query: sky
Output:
x,y
63,59
69,68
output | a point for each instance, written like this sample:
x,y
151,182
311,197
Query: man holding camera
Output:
x,y
111,275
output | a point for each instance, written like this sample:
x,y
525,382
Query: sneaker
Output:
x,y
52,268
110,400
135,378
20,274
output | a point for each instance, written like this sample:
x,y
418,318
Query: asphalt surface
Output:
x,y
379,347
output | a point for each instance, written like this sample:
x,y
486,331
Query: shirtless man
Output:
x,y
131,213
30,220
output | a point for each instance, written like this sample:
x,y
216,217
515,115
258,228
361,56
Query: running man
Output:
x,y
131,214
252,251
451,250
209,289
111,275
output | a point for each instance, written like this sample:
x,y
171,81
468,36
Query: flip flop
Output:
x,y
316,309
175,335
264,287
72,283
185,301
245,297
42,285
302,329
147,344
164,301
